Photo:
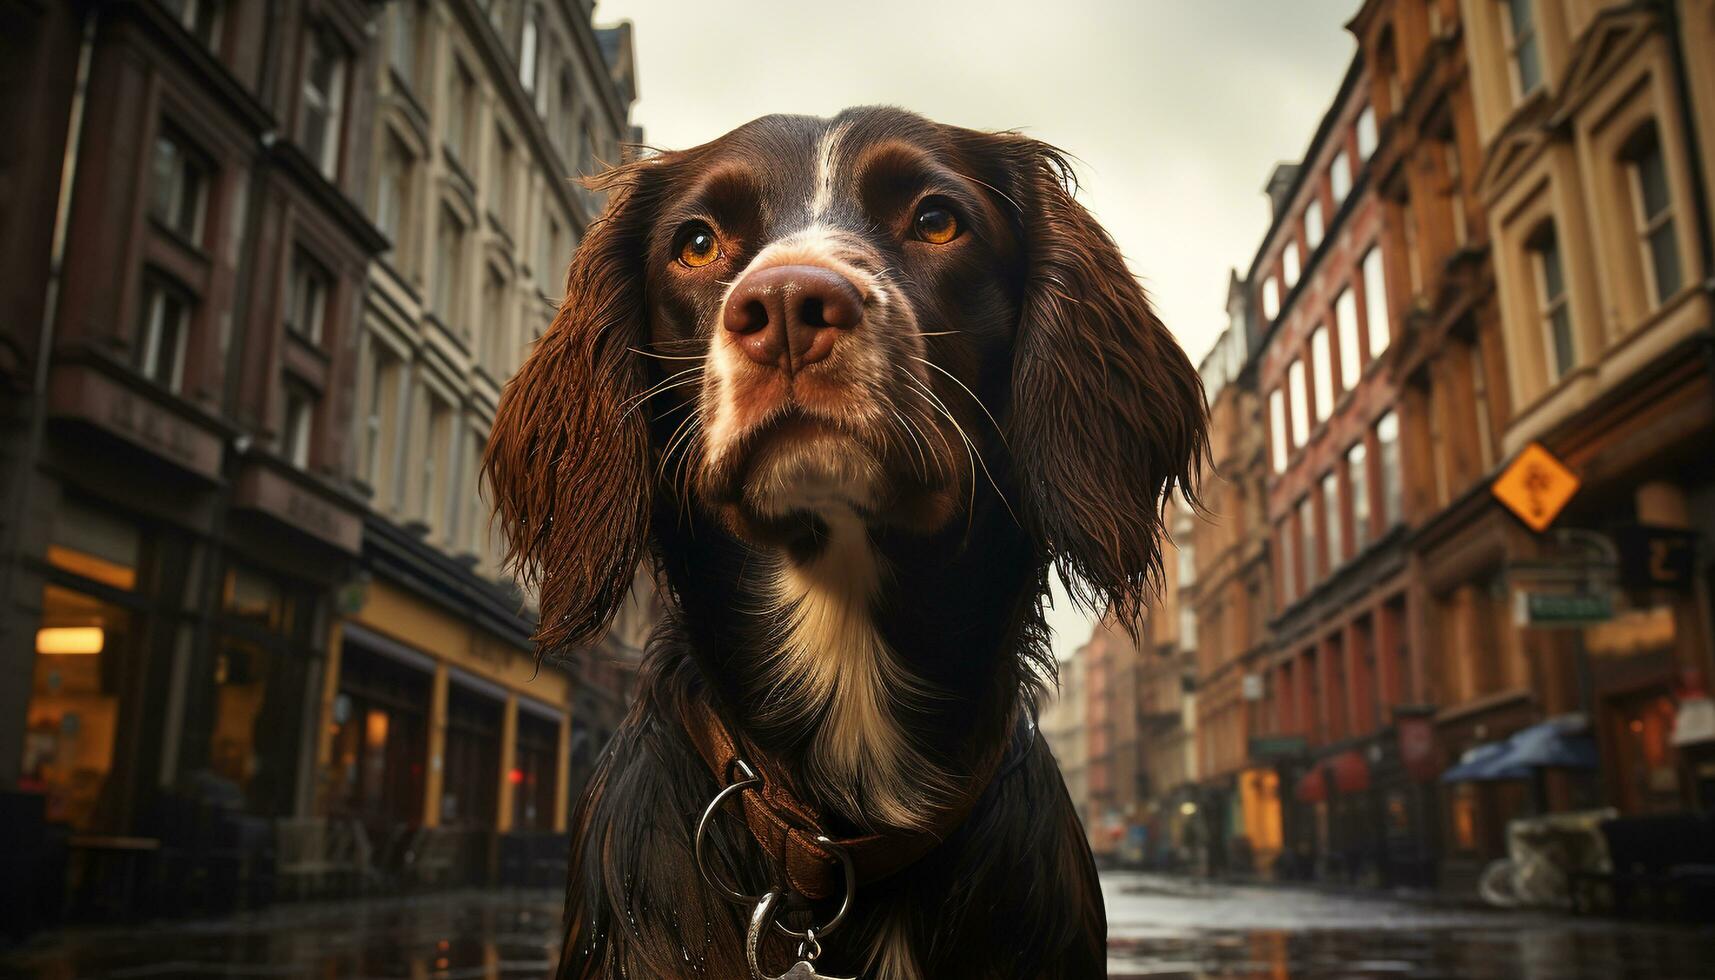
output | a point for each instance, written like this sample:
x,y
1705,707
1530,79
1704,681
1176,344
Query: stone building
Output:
x,y
485,114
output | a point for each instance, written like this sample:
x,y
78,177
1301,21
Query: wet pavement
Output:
x,y
1174,929
1159,928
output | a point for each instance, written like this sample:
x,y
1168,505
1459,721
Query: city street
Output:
x,y
1159,928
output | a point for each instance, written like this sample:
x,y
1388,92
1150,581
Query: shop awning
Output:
x,y
1560,742
1351,772
1312,787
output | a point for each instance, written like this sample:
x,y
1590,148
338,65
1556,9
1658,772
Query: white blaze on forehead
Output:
x,y
827,159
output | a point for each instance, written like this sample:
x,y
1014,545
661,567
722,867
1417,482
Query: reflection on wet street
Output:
x,y
1159,928
1174,929
456,936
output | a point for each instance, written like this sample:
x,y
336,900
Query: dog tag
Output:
x,y
760,920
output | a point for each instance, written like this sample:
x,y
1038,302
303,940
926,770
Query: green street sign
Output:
x,y
1271,747
1563,608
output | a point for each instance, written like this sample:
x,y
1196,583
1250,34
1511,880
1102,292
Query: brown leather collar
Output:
x,y
787,828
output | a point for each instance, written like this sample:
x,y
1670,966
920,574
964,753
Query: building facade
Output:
x,y
434,712
274,263
1341,666
181,506
1233,601
1062,727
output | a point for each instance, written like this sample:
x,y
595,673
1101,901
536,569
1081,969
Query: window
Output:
x,y
1307,542
1375,303
402,41
1480,395
200,17
476,535
378,412
297,425
324,98
435,470
1455,190
1322,373
1366,133
550,265
449,265
565,116
1387,444
1313,223
307,300
1346,320
88,651
1413,255
1277,428
1288,564
535,773
527,56
1331,518
495,320
544,71
587,164
1358,479
178,186
500,182
461,106
1300,403
393,190
1523,55
1340,177
1270,298
1653,206
1552,308
161,333
1289,263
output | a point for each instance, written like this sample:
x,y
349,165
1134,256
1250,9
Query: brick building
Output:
x,y
1341,664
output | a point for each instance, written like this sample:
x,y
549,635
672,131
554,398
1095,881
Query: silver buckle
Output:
x,y
808,936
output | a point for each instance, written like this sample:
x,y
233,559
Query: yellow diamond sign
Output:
x,y
1535,486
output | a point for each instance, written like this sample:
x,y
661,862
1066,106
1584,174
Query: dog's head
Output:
x,y
875,318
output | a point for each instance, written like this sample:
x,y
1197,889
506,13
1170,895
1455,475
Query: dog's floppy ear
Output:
x,y
567,464
1107,415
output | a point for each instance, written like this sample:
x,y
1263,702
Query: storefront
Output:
x,y
439,725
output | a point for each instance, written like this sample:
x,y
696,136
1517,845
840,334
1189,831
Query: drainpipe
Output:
x,y
11,557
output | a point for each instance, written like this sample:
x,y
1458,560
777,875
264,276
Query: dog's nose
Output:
x,y
787,316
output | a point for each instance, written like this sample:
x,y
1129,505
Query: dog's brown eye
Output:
x,y
936,225
699,247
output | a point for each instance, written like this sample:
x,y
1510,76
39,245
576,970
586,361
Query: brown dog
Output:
x,y
853,386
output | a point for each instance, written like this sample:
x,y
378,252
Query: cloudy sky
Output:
x,y
1175,109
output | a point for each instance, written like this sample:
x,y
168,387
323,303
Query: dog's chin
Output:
x,y
804,477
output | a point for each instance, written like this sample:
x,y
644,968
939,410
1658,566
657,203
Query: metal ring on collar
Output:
x,y
812,933
750,781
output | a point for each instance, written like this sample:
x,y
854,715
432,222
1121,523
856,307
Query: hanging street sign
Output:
x,y
1535,486
1270,748
1563,608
